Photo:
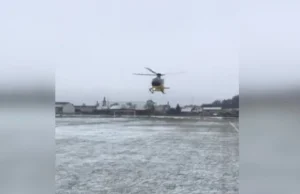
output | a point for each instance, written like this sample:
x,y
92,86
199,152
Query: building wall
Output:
x,y
58,110
197,110
68,109
86,109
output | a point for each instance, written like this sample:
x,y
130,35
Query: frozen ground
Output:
x,y
146,155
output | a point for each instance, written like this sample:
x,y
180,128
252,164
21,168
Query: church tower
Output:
x,y
104,102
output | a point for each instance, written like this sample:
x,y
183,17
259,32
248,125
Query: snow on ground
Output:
x,y
146,155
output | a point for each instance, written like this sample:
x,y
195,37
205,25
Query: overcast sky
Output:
x,y
97,45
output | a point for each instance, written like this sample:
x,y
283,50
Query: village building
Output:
x,y
209,110
86,108
162,109
64,108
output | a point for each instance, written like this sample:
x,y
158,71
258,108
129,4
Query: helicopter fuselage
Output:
x,y
157,85
157,82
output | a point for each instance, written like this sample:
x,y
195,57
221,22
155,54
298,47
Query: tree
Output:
x,y
149,105
226,103
217,103
235,101
130,105
178,108
114,104
172,111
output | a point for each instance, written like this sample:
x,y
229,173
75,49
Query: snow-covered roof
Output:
x,y
212,108
187,109
102,107
197,109
139,105
127,105
61,104
114,107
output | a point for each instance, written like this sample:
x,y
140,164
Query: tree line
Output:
x,y
226,103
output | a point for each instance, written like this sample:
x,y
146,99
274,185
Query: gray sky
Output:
x,y
97,45
269,46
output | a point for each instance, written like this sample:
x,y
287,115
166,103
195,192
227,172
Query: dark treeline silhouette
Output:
x,y
178,108
226,103
174,111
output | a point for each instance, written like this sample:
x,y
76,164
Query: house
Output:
x,y
187,109
234,112
64,108
122,108
127,105
86,108
116,106
211,110
162,108
191,110
120,105
230,109
197,109
139,106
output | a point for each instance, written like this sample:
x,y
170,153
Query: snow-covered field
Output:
x,y
146,155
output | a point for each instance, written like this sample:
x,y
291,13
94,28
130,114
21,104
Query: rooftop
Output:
x,y
62,103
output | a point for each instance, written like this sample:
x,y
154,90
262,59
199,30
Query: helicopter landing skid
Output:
x,y
151,90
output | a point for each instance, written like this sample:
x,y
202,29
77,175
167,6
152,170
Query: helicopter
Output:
x,y
157,82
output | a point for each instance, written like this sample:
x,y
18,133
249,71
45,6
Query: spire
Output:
x,y
104,102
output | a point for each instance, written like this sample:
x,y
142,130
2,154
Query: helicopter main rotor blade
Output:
x,y
174,73
143,74
150,70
